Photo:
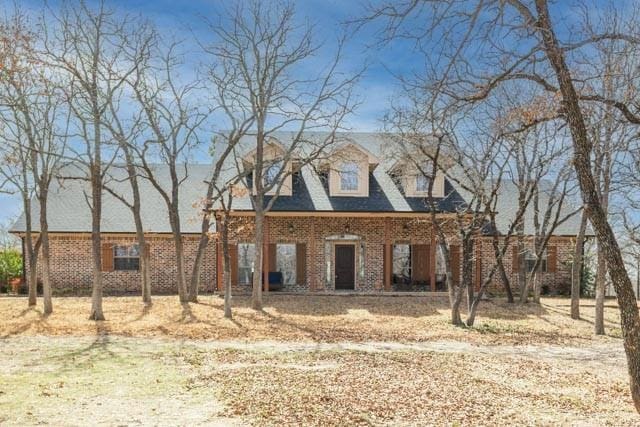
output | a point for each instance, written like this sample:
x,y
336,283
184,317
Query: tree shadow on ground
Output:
x,y
25,324
85,357
336,305
500,309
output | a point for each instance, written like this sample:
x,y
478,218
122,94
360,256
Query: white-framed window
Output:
x,y
286,262
126,257
530,261
271,173
349,175
402,263
422,183
246,261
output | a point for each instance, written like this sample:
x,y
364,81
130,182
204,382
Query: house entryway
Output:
x,y
345,266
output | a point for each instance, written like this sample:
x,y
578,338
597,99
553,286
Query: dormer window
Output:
x,y
415,178
271,173
349,166
422,183
349,173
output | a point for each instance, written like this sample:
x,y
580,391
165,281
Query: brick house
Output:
x,y
357,221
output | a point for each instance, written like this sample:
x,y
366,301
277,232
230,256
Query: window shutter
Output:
x,y
552,259
273,253
301,263
515,266
420,263
233,256
454,253
107,257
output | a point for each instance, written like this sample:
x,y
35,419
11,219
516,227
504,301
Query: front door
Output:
x,y
345,266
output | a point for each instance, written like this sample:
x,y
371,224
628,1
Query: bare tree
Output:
x,y
124,121
515,40
174,121
261,50
33,114
85,47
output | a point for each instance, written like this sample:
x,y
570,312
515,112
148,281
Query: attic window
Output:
x,y
349,176
271,173
422,183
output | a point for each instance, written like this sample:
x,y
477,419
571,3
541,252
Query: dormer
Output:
x,y
273,162
348,168
413,175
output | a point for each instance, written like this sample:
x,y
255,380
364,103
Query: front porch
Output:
x,y
340,255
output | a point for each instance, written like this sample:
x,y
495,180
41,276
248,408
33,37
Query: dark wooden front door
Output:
x,y
345,266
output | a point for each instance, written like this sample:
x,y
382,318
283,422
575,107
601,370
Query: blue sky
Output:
x,y
182,17
186,17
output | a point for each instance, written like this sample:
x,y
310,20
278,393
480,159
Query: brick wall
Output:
x,y
558,282
71,255
71,266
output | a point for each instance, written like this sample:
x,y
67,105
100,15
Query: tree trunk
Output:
x,y
454,289
179,249
522,269
629,318
601,279
226,266
145,268
256,294
194,283
537,286
145,256
467,269
46,261
576,268
30,252
500,263
96,250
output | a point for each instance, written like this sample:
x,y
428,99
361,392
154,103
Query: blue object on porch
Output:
x,y
275,280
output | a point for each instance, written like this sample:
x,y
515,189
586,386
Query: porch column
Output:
x,y
311,255
387,255
432,246
265,255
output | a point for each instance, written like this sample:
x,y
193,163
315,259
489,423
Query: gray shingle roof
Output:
x,y
69,212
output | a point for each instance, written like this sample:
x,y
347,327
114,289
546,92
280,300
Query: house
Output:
x,y
356,220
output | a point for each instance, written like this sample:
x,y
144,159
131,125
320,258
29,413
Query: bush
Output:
x,y
10,265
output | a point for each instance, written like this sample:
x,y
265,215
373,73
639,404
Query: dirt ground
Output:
x,y
309,361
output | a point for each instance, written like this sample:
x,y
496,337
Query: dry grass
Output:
x,y
309,318
416,388
527,365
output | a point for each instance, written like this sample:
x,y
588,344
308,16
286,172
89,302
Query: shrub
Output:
x,y
10,265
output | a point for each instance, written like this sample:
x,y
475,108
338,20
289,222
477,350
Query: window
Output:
x,y
530,261
246,260
126,257
286,262
422,179
349,176
271,173
402,264
422,183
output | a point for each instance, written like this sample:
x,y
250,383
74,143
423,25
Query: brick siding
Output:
x,y
71,269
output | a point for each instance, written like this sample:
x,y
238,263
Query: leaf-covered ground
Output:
x,y
309,360
310,318
110,380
